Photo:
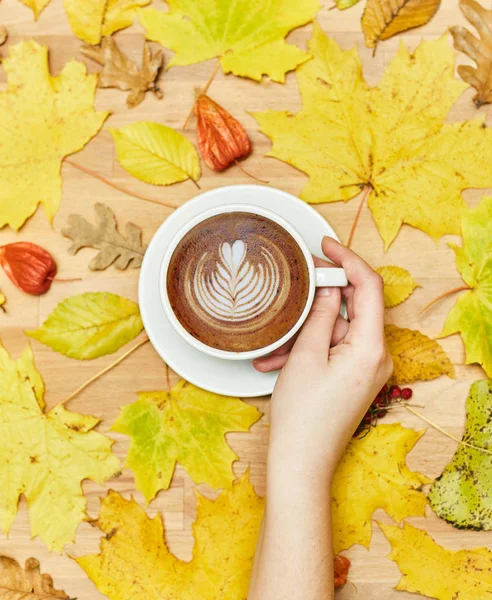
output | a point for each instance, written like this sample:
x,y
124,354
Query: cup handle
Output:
x,y
326,277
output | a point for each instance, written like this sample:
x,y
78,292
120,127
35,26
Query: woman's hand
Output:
x,y
331,373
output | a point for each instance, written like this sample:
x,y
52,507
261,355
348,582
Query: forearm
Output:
x,y
294,558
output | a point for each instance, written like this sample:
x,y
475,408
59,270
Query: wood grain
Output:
x,y
372,574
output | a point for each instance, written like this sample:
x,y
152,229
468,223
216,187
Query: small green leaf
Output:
x,y
462,495
90,325
155,153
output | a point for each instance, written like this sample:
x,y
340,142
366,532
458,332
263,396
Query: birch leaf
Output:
x,y
49,118
442,574
398,285
115,248
45,455
155,153
248,38
225,532
17,583
344,4
373,474
186,425
471,316
90,325
383,19
392,138
416,357
462,494
37,6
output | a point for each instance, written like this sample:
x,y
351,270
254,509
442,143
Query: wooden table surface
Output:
x,y
372,574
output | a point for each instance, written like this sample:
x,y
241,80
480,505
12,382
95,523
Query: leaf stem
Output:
x,y
102,372
118,187
241,168
443,431
168,379
204,91
365,193
59,280
441,296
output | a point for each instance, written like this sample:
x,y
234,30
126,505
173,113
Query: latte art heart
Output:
x,y
238,289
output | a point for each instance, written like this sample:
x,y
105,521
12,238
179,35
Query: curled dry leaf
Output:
x,y
122,73
222,140
30,267
415,356
17,583
122,250
479,50
383,19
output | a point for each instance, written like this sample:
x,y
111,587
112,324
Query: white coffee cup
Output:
x,y
318,277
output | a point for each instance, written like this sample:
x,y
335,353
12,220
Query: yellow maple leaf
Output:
x,y
391,139
247,37
372,474
471,316
185,425
46,118
415,356
155,153
398,285
134,561
383,19
90,20
433,571
45,455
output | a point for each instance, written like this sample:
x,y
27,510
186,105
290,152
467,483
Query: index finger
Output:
x,y
368,296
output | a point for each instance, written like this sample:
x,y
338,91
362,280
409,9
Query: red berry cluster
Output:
x,y
387,396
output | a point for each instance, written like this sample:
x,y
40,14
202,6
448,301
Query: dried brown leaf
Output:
x,y
383,19
122,73
122,250
479,50
17,583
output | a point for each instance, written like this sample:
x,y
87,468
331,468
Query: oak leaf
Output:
x,y
398,285
155,153
49,118
122,73
122,250
416,357
91,20
186,425
479,50
17,583
372,474
225,533
45,455
431,570
471,316
249,39
383,19
462,494
90,325
391,138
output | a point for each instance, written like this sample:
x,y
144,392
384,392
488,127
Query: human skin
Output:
x,y
330,375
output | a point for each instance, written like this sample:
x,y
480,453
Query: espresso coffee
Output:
x,y
238,282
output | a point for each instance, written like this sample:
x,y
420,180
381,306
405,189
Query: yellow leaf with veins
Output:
x,y
45,455
248,38
391,138
186,425
372,474
398,285
17,583
471,316
135,563
432,571
45,119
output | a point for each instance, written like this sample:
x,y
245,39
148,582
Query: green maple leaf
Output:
x,y
471,316
461,495
185,425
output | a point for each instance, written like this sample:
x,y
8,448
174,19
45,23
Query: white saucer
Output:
x,y
227,377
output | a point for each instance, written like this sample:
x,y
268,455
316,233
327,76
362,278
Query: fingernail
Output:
x,y
322,292
331,239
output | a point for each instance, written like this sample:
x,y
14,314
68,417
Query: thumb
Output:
x,y
317,331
